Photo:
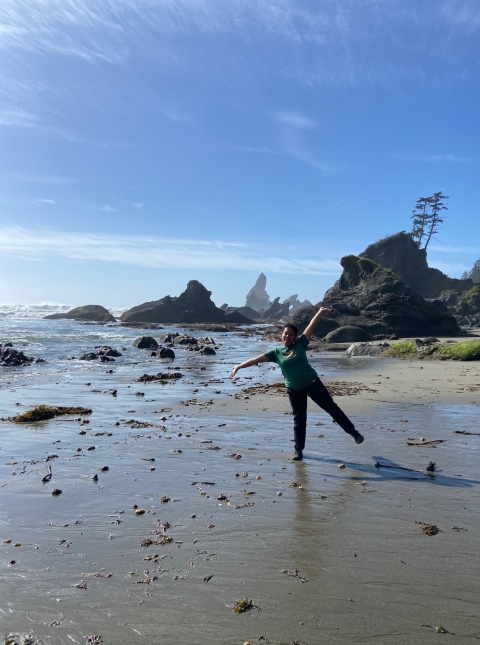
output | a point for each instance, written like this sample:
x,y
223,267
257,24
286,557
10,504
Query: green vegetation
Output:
x,y
470,297
467,351
426,217
378,267
43,412
474,273
405,349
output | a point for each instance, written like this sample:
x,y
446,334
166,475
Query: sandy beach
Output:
x,y
331,550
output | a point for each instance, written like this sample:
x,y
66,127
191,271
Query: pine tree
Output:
x,y
475,272
420,216
436,206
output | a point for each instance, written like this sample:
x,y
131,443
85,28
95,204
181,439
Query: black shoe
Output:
x,y
298,456
358,437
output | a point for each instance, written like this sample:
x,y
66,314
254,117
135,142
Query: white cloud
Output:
x,y
40,201
166,253
107,208
455,249
295,120
138,204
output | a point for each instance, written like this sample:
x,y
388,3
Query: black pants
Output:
x,y
319,395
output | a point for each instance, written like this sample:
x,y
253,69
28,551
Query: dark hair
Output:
x,y
291,326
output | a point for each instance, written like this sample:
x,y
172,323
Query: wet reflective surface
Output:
x,y
353,533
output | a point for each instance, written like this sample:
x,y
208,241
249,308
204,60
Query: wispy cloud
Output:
x,y
165,253
438,158
41,201
138,204
475,250
295,120
107,208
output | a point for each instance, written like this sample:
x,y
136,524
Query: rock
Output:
x,y
224,307
207,351
164,352
194,305
373,298
464,306
248,312
140,325
295,304
276,311
10,357
185,340
367,349
145,342
400,254
348,334
103,353
95,313
257,298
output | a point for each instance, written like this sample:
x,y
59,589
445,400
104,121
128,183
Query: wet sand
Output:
x,y
353,533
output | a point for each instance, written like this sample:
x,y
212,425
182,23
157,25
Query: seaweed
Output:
x,y
44,412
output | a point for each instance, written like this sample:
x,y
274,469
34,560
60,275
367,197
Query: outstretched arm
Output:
x,y
251,361
314,322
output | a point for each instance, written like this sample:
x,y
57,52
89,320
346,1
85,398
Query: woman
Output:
x,y
302,381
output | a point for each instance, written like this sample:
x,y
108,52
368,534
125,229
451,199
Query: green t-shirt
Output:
x,y
296,370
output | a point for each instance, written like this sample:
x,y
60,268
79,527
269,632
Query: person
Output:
x,y
302,381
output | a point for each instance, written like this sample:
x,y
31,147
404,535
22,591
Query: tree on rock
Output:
x,y
474,272
427,217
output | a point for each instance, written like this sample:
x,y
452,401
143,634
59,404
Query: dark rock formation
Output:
x,y
372,298
164,352
348,334
194,305
257,297
103,353
276,311
248,312
140,325
465,307
400,254
95,313
145,342
10,357
207,351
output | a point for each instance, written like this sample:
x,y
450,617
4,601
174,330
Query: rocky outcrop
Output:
x,y
164,352
465,307
194,305
295,304
372,298
103,353
94,313
257,297
276,311
10,357
248,312
400,254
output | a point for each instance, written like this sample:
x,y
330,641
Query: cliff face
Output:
x,y
374,299
401,254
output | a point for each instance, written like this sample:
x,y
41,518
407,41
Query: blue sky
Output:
x,y
144,143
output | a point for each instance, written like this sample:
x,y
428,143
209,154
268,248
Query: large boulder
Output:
x,y
145,342
401,254
348,334
10,357
94,313
376,300
257,297
194,305
367,349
